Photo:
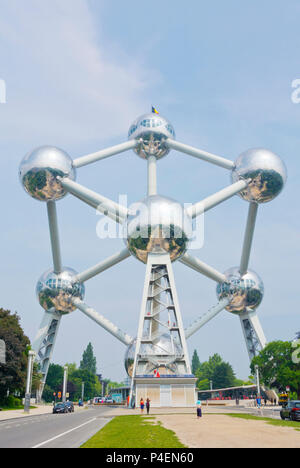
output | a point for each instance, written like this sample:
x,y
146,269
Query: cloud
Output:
x,y
62,79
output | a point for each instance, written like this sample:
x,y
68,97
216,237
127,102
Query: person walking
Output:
x,y
148,405
142,405
199,409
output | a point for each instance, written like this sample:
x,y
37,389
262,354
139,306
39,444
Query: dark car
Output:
x,y
291,411
60,408
70,406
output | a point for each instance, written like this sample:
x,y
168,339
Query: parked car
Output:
x,y
109,400
60,408
291,411
70,406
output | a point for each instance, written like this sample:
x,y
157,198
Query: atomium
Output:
x,y
40,169
157,224
162,347
157,231
266,171
56,291
247,291
151,131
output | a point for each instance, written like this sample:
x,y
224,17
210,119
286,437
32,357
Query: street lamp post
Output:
x,y
65,384
31,357
82,392
257,381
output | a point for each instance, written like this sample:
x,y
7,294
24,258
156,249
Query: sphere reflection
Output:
x,y
246,291
151,130
162,348
158,225
39,171
56,291
266,171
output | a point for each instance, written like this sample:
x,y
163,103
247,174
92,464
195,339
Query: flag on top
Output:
x,y
154,111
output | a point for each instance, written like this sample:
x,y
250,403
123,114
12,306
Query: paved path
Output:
x,y
53,430
218,431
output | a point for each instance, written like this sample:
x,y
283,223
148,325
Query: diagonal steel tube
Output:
x,y
111,209
105,265
213,312
217,198
248,240
103,154
203,268
103,322
54,236
200,154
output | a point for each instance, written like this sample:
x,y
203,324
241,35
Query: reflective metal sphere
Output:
x,y
247,291
152,130
39,171
267,172
158,225
162,348
57,291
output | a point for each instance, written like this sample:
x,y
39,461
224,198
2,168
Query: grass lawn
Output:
x,y
134,432
273,422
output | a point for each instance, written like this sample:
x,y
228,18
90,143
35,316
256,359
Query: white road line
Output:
x,y
63,434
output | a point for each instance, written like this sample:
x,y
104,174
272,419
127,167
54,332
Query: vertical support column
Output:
x,y
163,346
253,333
44,343
152,176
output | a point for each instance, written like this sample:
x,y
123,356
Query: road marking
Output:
x,y
63,434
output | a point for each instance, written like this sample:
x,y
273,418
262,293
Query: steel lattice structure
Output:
x,y
157,234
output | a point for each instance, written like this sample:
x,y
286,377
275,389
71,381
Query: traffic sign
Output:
x,y
288,389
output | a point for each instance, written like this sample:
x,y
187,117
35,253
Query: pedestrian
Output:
x,y
199,409
142,405
148,405
258,402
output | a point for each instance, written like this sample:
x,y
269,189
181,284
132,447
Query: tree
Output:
x,y
277,368
195,362
217,371
13,373
89,361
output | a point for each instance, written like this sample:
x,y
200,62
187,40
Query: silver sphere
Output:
x,y
267,173
247,291
157,225
151,130
161,347
39,171
56,291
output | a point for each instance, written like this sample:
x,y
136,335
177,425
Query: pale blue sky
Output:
x,y
78,72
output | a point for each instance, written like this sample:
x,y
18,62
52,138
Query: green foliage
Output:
x,y
54,383
277,368
195,362
134,432
10,402
89,362
13,373
217,371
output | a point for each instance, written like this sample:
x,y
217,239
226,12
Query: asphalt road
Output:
x,y
53,430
